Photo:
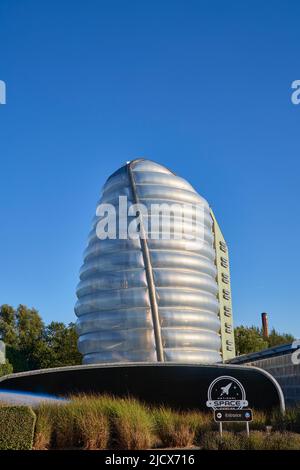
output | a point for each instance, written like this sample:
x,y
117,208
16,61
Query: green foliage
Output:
x,y
60,343
281,441
6,368
248,340
251,339
16,427
289,421
213,441
259,440
255,441
8,327
32,345
275,338
16,357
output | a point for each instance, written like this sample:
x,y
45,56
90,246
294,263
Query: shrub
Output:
x,y
289,421
213,441
209,440
255,441
258,440
16,427
230,441
282,441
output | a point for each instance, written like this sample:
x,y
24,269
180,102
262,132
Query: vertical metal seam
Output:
x,y
149,275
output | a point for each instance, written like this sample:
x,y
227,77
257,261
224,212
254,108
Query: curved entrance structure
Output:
x,y
182,386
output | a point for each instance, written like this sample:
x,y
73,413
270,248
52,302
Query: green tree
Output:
x,y
29,325
248,339
32,345
8,327
275,338
59,347
6,368
251,339
16,358
30,335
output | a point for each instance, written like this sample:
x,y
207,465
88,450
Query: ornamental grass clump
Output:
x,y
132,424
175,429
77,424
44,427
129,421
91,424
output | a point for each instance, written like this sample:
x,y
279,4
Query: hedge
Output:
x,y
16,427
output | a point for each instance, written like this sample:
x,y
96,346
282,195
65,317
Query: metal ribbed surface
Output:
x,y
149,300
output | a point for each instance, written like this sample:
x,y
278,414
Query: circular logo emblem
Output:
x,y
226,392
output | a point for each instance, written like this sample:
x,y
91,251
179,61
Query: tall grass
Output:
x,y
130,423
290,421
105,422
92,424
44,427
175,429
78,424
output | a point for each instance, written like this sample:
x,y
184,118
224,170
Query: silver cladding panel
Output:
x,y
115,310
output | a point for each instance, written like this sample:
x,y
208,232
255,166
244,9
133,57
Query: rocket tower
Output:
x,y
155,299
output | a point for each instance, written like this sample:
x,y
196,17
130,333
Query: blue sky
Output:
x,y
203,87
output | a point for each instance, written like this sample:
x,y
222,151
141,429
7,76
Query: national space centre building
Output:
x,y
157,298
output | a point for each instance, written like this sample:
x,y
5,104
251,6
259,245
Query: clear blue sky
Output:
x,y
202,87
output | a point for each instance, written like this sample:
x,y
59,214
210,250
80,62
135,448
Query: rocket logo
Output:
x,y
226,392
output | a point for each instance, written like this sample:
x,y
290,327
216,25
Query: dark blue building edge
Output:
x,y
180,386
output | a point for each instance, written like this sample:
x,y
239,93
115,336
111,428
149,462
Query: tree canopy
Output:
x,y
251,339
30,344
